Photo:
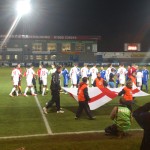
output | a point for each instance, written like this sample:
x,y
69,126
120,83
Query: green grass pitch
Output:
x,y
20,116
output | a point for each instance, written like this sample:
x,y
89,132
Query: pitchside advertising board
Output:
x,y
132,47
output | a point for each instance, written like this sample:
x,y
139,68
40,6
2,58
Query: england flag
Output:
x,y
99,97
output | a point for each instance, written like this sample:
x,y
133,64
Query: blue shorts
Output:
x,y
111,84
144,82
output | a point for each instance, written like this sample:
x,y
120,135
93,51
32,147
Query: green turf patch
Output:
x,y
21,116
92,141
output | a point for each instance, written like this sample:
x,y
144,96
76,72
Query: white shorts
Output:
x,y
107,78
122,80
29,82
92,80
74,81
15,82
139,82
44,81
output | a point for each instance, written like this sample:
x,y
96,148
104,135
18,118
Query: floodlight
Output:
x,y
23,7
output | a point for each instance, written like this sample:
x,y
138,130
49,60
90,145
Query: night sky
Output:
x,y
117,21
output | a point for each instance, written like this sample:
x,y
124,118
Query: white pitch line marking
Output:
x,y
23,136
48,128
61,133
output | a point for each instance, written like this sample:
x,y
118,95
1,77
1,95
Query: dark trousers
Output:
x,y
40,85
34,84
146,85
112,130
84,106
55,99
129,104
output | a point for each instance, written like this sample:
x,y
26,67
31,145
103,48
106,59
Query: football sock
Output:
x,y
26,90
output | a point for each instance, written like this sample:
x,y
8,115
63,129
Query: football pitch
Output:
x,y
22,117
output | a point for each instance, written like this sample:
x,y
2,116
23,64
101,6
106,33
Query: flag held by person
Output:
x,y
100,97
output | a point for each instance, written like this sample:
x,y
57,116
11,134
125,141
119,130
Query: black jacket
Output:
x,y
142,116
55,82
121,92
86,95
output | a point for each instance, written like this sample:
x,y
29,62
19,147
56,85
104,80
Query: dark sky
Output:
x,y
117,21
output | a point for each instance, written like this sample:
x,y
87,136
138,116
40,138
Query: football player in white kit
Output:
x,y
15,78
122,74
84,71
108,71
73,75
29,77
43,78
93,73
139,76
52,70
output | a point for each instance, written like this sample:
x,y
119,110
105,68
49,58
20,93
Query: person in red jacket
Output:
x,y
83,98
99,82
127,94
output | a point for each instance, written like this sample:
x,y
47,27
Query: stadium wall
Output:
x,y
49,49
125,57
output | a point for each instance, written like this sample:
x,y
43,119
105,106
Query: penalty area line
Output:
x,y
48,128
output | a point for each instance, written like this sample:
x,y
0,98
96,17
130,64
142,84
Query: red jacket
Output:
x,y
83,92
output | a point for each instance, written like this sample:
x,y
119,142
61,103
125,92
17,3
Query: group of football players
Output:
x,y
112,76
